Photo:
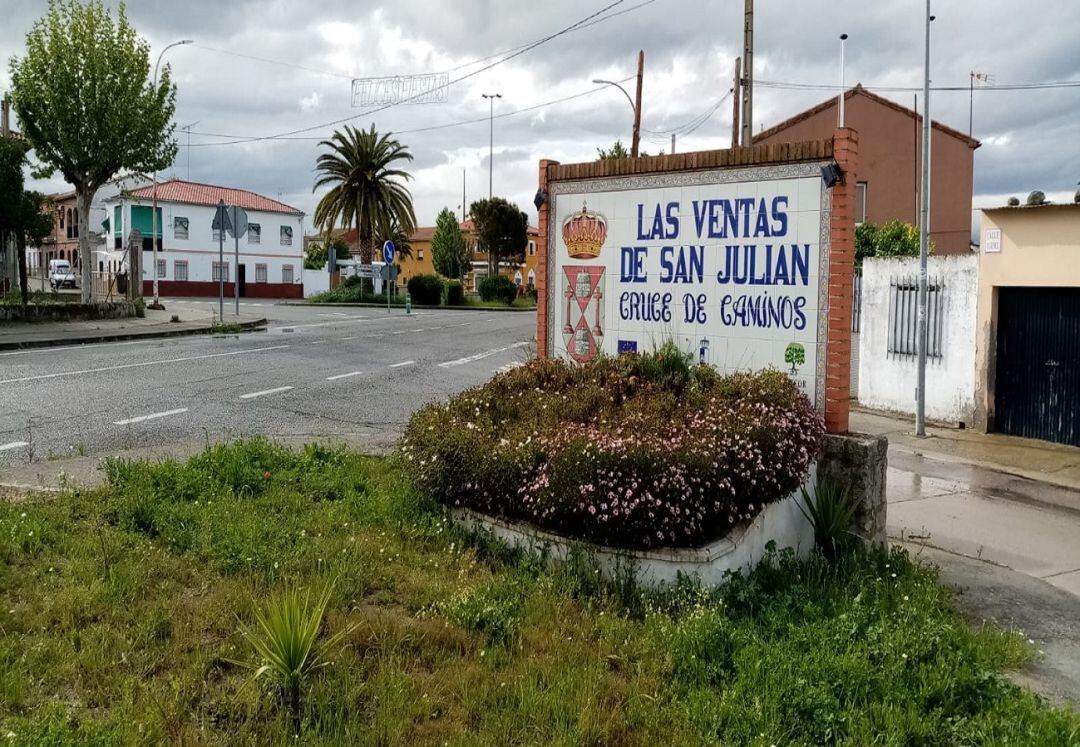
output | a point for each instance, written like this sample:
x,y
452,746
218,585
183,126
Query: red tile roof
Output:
x,y
194,193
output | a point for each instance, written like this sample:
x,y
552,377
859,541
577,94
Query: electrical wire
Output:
x,y
572,27
787,85
445,125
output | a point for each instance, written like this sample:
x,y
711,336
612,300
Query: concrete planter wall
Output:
x,y
63,312
743,549
853,461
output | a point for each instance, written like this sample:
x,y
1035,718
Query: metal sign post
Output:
x,y
221,220
388,250
239,219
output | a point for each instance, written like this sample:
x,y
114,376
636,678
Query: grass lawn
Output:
x,y
122,606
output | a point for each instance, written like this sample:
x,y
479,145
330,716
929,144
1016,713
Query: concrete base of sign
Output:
x,y
742,550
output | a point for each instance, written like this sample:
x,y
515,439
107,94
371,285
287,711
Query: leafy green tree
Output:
x,y
23,214
86,103
894,238
618,150
367,189
502,230
449,252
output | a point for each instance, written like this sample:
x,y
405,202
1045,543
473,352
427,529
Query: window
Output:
x,y
419,253
69,226
161,268
532,248
903,317
254,233
286,273
75,224
220,272
180,228
532,279
860,202
260,273
179,269
286,235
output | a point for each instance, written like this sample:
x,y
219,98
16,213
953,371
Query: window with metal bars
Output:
x,y
904,317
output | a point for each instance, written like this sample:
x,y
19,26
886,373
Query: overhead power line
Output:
x,y
543,40
443,126
992,87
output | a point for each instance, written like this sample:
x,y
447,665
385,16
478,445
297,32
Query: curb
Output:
x,y
497,309
246,326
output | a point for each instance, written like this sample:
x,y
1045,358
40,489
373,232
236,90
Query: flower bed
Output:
x,y
632,452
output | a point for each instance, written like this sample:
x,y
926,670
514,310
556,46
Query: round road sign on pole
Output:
x,y
388,252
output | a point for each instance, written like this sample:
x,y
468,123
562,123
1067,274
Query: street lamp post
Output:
x,y
924,247
633,107
154,220
843,43
491,138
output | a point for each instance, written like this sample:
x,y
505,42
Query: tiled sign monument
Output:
x,y
744,258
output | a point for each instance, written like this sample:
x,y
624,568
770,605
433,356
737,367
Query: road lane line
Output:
x,y
152,416
344,375
479,356
264,392
85,345
399,365
14,445
141,364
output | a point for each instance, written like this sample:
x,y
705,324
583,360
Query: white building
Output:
x,y
271,256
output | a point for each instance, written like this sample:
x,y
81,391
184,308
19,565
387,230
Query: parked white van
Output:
x,y
60,274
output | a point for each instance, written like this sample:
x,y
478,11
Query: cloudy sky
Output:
x,y
309,51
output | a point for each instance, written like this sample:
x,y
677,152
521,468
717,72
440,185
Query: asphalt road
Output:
x,y
352,374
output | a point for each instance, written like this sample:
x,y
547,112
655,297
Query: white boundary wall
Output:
x,y
887,381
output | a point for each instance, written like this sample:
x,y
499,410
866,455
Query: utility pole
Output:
x,y
748,76
736,91
924,245
982,78
491,138
637,105
843,43
673,143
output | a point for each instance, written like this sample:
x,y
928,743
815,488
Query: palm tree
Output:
x,y
366,190
402,239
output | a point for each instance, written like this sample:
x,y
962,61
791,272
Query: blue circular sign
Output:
x,y
388,251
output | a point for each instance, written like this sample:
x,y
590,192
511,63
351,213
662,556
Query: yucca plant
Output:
x,y
831,512
285,642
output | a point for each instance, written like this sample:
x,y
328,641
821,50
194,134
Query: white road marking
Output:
x,y
479,356
152,416
84,346
263,393
399,365
141,364
13,445
344,375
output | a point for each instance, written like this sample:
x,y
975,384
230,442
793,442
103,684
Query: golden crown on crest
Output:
x,y
584,233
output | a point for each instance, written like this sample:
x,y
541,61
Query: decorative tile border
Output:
x,y
771,172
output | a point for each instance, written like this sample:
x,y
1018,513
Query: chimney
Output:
x,y
5,118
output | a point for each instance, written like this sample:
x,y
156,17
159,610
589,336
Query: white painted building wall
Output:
x,y
316,281
887,381
200,248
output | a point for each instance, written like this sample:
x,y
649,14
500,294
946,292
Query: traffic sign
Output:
x,y
388,252
388,273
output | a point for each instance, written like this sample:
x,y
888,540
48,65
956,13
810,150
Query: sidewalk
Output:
x,y
193,321
1035,460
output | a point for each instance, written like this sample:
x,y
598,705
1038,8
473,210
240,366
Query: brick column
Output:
x,y
542,341
841,283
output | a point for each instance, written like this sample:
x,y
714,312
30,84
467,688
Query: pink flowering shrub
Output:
x,y
633,452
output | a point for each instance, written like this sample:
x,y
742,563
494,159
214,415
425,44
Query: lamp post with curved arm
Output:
x,y
154,230
635,106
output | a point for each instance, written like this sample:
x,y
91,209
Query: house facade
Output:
x,y
890,158
1028,322
268,262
